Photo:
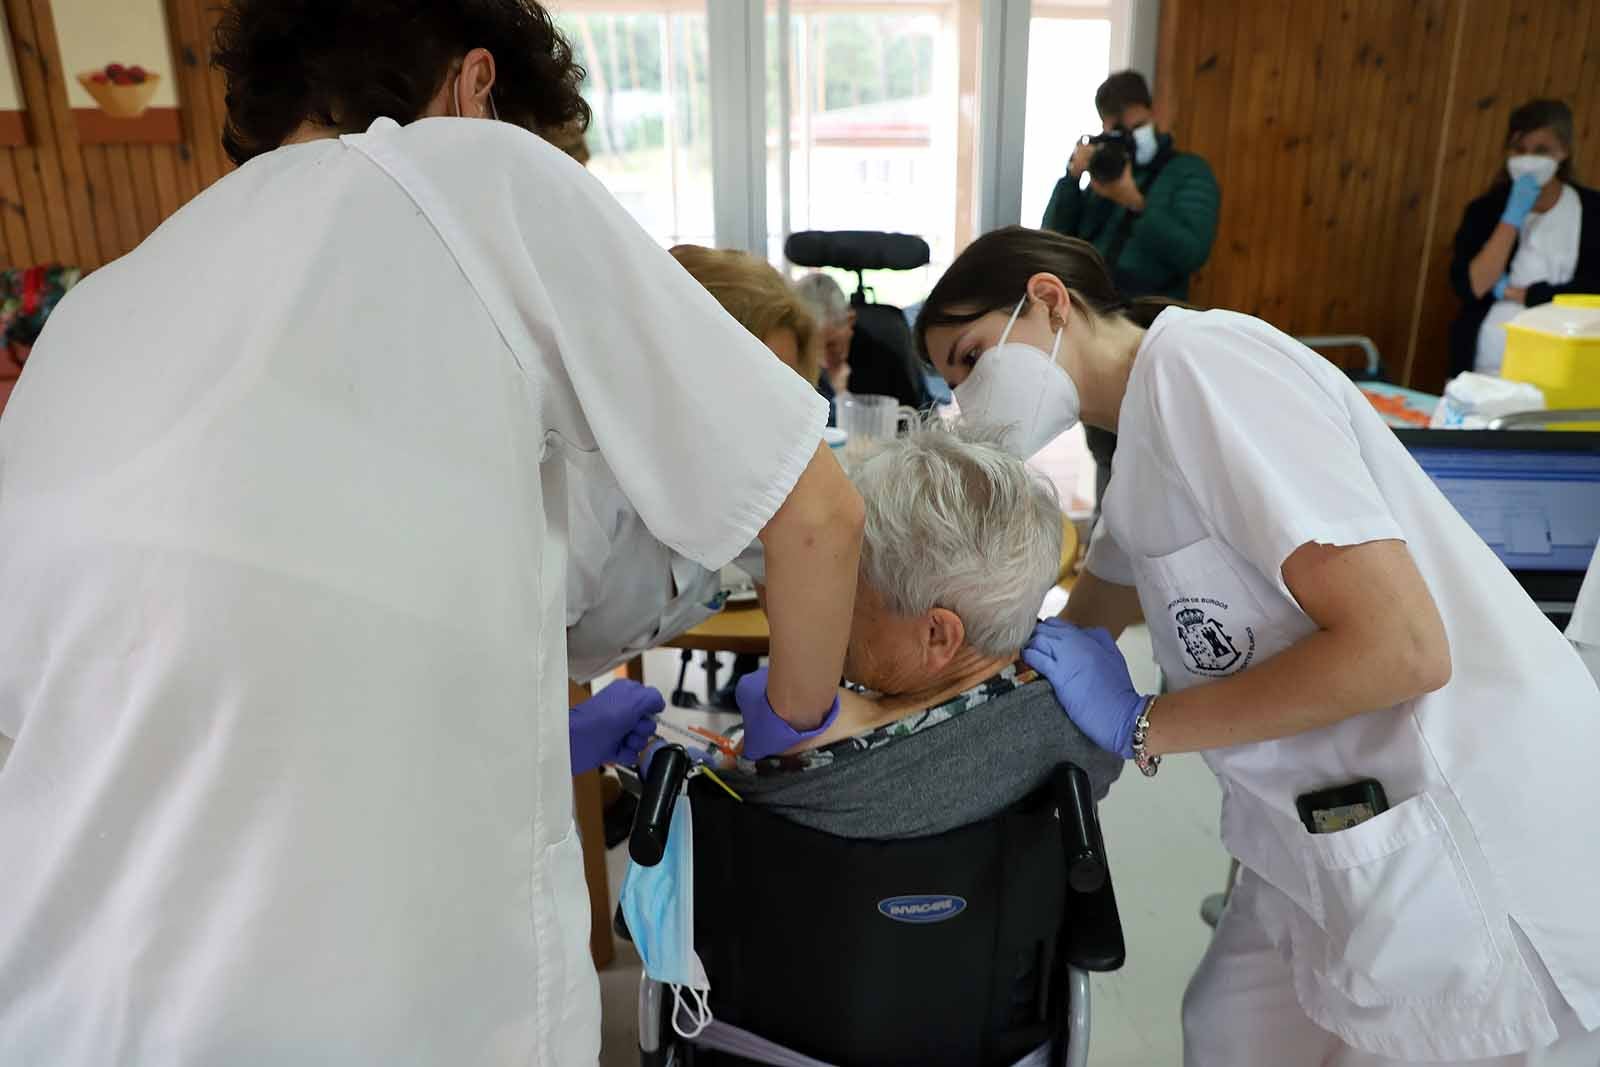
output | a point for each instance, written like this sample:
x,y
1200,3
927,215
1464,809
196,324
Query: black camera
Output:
x,y
1113,149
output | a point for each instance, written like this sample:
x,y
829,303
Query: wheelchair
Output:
x,y
971,948
883,358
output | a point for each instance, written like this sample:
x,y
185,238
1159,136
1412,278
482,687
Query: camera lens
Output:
x,y
1109,161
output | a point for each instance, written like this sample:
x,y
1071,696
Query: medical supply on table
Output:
x,y
1556,347
835,439
1398,406
1471,400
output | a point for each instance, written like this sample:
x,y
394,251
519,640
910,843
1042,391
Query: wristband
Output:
x,y
766,734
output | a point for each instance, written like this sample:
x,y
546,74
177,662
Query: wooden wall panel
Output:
x,y
84,205
1348,137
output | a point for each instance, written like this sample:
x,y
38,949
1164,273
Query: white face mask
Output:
x,y
1022,388
1145,144
1543,168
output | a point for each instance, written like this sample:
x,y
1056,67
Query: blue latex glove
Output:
x,y
765,734
1090,677
1524,193
1499,290
613,726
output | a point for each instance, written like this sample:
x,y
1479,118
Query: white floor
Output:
x,y
1162,838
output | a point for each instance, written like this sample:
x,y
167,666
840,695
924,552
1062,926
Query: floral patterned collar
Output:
x,y
1010,678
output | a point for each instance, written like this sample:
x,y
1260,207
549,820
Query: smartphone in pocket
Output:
x,y
1327,811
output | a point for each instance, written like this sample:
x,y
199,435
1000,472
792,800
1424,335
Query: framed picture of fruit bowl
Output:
x,y
121,80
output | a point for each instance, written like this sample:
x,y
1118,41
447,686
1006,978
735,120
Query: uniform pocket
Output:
x,y
1401,919
1188,564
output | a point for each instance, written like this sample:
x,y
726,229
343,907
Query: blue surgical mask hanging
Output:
x,y
658,904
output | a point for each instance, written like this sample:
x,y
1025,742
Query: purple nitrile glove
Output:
x,y
1090,678
612,726
765,734
1524,194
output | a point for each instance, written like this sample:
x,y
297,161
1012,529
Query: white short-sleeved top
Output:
x,y
1237,445
282,559
626,592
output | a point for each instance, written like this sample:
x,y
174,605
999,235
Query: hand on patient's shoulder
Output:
x,y
1090,679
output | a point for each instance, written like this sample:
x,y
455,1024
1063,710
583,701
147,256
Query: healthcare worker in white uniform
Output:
x,y
1583,629
283,553
1323,618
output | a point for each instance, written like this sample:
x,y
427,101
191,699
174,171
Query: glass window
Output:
x,y
650,139
1070,45
877,135
1069,55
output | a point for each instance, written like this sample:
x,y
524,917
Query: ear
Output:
x,y
1048,290
944,636
477,79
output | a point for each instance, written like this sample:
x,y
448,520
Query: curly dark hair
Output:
x,y
344,63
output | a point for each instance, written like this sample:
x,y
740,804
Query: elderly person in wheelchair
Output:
x,y
941,724
924,882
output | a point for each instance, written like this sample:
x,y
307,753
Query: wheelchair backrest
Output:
x,y
883,359
939,950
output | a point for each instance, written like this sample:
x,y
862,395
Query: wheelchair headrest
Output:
x,y
856,250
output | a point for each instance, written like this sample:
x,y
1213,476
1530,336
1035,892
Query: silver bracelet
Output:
x,y
1148,765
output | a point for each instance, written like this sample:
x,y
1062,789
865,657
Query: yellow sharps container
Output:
x,y
1556,346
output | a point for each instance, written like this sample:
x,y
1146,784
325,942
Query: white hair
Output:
x,y
823,295
954,521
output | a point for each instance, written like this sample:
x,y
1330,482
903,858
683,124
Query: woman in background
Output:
x,y
762,300
1534,234
838,322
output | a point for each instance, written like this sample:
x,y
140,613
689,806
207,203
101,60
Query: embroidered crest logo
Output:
x,y
1210,649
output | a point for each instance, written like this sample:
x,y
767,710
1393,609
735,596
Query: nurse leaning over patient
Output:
x,y
1405,744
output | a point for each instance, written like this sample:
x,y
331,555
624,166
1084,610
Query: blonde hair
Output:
x,y
757,296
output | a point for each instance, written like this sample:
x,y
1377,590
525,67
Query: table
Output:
x,y
743,629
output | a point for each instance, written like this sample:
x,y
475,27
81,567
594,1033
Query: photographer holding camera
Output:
x,y
1149,209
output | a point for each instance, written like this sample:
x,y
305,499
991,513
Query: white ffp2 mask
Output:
x,y
1543,168
1023,389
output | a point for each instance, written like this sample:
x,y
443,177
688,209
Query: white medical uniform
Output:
x,y
1547,251
626,591
282,560
1425,932
1583,630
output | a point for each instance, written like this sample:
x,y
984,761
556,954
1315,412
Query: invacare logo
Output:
x,y
922,909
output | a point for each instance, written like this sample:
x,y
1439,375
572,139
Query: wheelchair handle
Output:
x,y
1080,831
669,767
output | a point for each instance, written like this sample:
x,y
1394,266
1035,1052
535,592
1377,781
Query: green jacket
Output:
x,y
1167,242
